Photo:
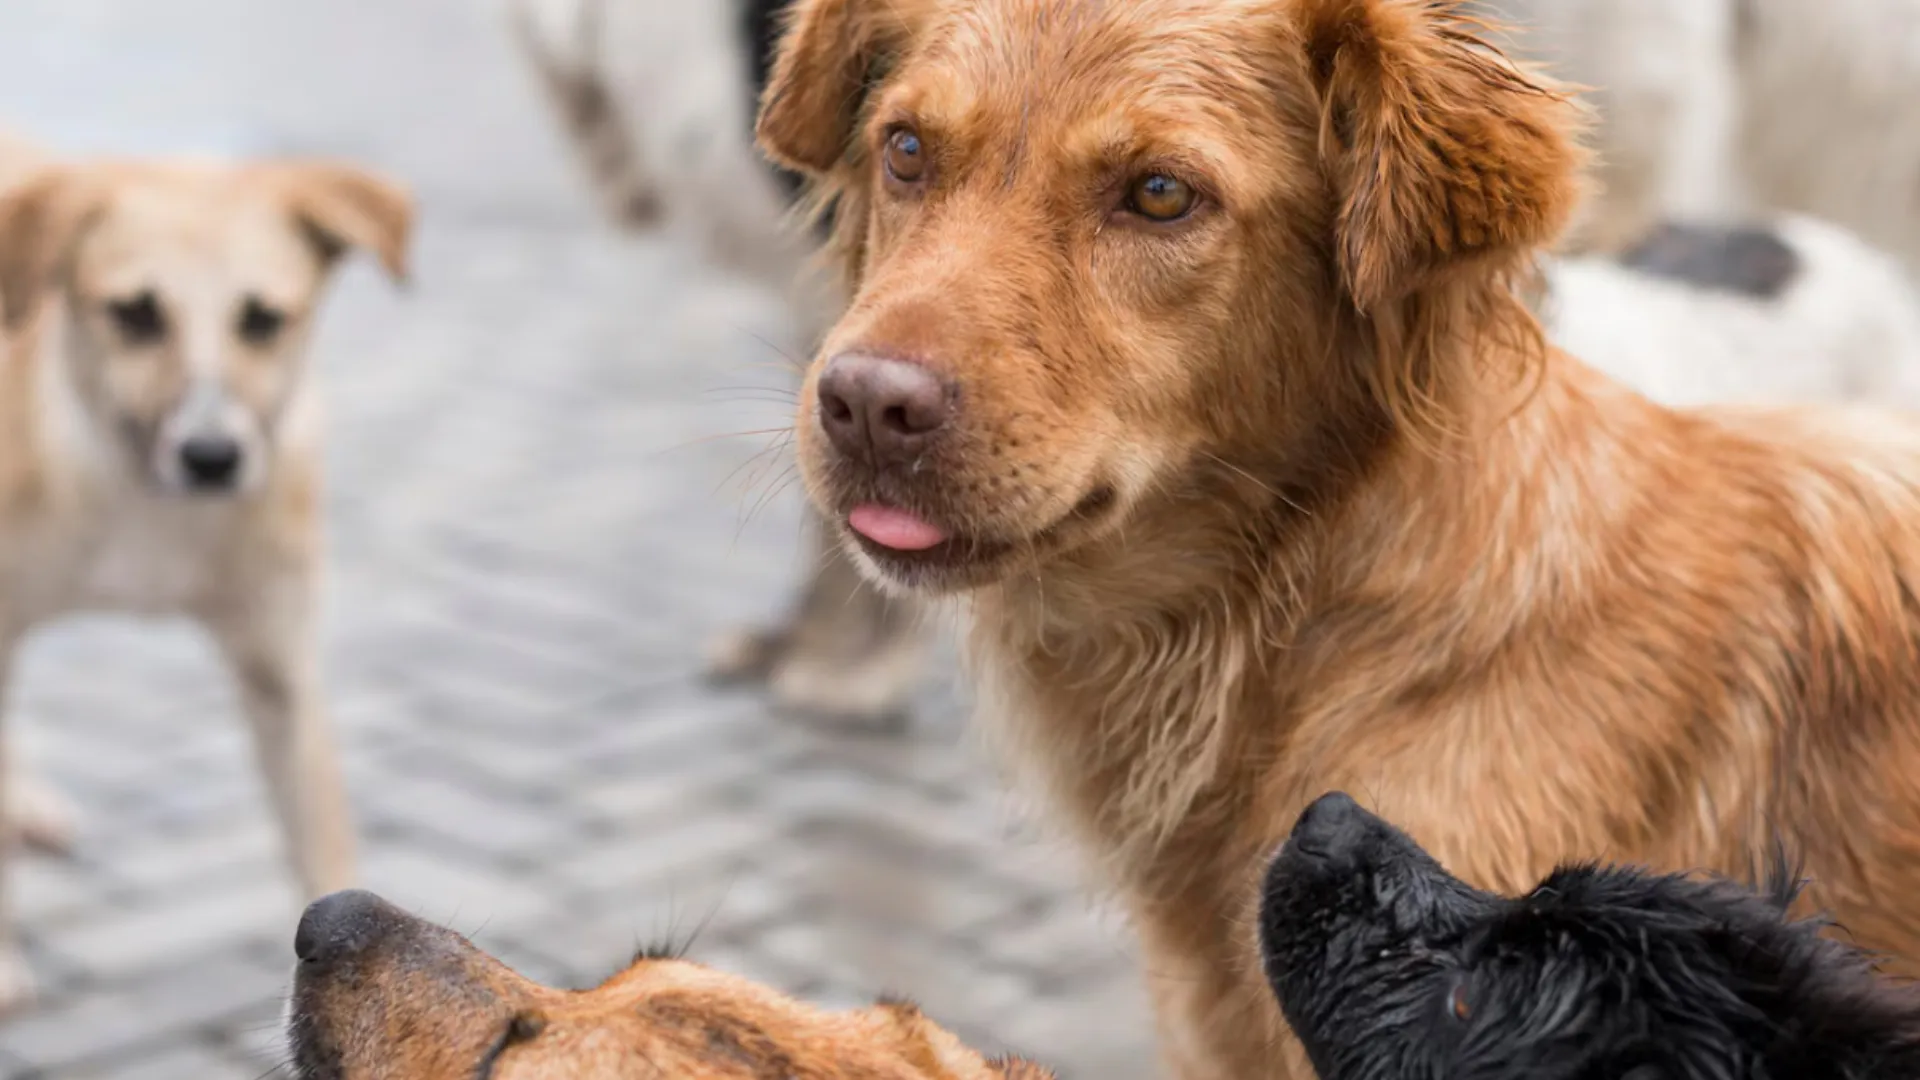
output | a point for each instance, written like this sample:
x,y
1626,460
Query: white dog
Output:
x,y
1727,107
1797,311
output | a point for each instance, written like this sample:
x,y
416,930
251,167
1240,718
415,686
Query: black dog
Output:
x,y
1390,968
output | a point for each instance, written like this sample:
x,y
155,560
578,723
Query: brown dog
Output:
x,y
1185,339
381,995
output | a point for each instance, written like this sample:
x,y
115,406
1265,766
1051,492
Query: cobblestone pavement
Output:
x,y
531,540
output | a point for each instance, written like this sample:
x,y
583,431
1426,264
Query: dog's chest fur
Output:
x,y
126,551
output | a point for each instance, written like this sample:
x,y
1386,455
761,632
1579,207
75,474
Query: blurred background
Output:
x,y
534,530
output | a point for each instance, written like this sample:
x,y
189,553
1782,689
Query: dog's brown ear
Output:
x,y
41,221
1441,151
347,207
829,54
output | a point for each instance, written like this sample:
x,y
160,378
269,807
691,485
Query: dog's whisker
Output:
x,y
758,458
748,434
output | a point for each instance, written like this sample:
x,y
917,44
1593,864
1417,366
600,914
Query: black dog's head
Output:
x,y
1389,968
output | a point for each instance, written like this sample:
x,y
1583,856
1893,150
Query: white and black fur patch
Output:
x,y
1745,259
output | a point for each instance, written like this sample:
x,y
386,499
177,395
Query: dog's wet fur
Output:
x,y
381,995
1388,967
1187,340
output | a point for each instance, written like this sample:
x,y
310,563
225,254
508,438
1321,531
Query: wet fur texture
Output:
x,y
1290,494
387,996
1389,967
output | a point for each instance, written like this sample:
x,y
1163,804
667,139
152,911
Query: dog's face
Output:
x,y
188,296
1101,250
1388,967
380,995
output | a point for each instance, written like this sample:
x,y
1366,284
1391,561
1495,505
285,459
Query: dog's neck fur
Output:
x,y
1190,641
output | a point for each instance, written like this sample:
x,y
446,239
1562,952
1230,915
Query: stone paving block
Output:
x,y
459,891
689,845
47,891
248,845
172,931
1064,945
103,1026
178,1061
490,824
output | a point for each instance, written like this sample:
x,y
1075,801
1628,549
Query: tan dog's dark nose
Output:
x,y
340,924
879,408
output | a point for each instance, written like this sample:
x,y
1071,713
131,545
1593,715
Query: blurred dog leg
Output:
x,y
561,41
658,99
845,649
39,816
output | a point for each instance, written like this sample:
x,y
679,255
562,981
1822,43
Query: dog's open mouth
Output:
x,y
915,549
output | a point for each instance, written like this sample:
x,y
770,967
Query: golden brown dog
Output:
x,y
381,995
1185,340
159,442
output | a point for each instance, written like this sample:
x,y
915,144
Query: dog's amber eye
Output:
x,y
906,159
1159,197
1457,1003
138,317
260,324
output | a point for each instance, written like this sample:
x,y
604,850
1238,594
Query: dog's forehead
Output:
x,y
196,229
1054,61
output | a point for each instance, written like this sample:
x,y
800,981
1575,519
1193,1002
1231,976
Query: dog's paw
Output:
x,y
873,690
16,980
39,816
746,656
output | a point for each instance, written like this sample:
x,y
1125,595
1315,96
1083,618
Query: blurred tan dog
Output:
x,y
381,995
159,444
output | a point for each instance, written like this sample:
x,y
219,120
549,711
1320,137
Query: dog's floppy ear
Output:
x,y
1440,151
346,207
829,54
41,221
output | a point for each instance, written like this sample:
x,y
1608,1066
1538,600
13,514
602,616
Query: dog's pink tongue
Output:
x,y
894,529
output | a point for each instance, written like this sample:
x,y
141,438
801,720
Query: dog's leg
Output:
x,y
559,39
846,650
38,815
16,979
269,643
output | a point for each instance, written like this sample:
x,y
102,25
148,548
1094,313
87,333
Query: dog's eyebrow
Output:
x,y
523,1028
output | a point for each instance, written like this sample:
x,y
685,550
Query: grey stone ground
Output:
x,y
530,545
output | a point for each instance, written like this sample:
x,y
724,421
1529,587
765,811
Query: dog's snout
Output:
x,y
882,408
210,461
342,924
1331,826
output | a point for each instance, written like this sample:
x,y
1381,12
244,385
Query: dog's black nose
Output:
x,y
341,924
210,461
884,409
1331,826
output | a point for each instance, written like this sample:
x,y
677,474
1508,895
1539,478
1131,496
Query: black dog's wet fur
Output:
x,y
1388,968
